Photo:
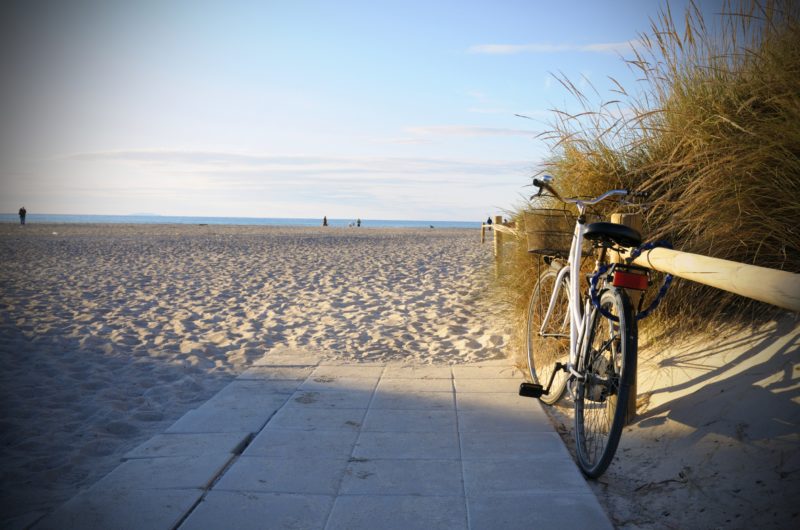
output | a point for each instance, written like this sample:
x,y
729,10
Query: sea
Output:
x,y
32,218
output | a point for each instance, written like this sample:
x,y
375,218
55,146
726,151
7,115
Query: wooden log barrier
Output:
x,y
779,288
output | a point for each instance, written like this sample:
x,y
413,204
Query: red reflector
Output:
x,y
630,280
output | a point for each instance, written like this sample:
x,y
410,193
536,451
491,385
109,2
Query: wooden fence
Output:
x,y
776,287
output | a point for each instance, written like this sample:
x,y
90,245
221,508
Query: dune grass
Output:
x,y
713,132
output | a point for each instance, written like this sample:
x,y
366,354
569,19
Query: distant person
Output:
x,y
325,220
22,213
489,222
358,222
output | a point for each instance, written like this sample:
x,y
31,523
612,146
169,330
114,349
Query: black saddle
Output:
x,y
622,235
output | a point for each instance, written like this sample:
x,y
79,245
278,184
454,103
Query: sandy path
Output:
x,y
109,333
716,440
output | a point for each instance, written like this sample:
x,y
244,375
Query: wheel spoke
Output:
x,y
547,343
600,398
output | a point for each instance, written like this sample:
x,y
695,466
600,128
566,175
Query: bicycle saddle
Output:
x,y
622,235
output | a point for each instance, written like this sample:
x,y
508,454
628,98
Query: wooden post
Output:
x,y
632,220
498,243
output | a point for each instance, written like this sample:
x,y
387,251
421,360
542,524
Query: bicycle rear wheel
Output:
x,y
601,398
546,345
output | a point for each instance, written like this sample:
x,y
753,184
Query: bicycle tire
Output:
x,y
601,398
544,351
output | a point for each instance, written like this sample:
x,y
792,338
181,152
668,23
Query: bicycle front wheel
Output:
x,y
601,398
548,342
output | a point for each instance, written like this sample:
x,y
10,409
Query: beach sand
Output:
x,y
110,333
716,439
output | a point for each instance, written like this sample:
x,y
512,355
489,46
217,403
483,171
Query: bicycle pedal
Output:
x,y
530,390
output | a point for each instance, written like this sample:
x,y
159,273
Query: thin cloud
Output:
x,y
188,162
512,49
466,130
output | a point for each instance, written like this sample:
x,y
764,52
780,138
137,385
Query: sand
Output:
x,y
716,439
109,333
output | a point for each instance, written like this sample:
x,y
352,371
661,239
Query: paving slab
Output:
x,y
505,384
190,444
397,512
369,371
298,416
406,477
299,442
259,511
488,445
101,509
334,399
487,371
254,392
407,445
404,384
413,420
217,419
393,400
284,474
324,382
520,476
406,371
166,472
547,510
302,443
512,421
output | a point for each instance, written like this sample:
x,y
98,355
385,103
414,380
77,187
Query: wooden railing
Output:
x,y
776,287
500,228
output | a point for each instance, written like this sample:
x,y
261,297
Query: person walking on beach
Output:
x,y
358,222
22,213
325,220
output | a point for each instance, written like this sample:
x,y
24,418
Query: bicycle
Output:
x,y
587,343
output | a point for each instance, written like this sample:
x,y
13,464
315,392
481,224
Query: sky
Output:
x,y
295,108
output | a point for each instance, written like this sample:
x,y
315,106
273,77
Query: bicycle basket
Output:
x,y
549,231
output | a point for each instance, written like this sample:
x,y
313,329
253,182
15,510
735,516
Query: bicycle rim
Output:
x,y
608,363
547,346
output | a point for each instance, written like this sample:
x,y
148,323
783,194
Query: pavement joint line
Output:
x,y
460,450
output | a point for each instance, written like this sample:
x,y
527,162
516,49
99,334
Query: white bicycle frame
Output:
x,y
579,321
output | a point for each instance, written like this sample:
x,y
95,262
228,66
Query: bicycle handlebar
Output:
x,y
544,185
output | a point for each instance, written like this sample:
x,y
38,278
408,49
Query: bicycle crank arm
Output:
x,y
535,390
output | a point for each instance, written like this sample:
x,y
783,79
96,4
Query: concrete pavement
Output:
x,y
296,442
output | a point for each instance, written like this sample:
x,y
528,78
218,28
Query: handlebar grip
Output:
x,y
538,183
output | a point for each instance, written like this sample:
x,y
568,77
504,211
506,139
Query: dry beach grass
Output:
x,y
712,131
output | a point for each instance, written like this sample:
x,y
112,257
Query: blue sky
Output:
x,y
374,109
